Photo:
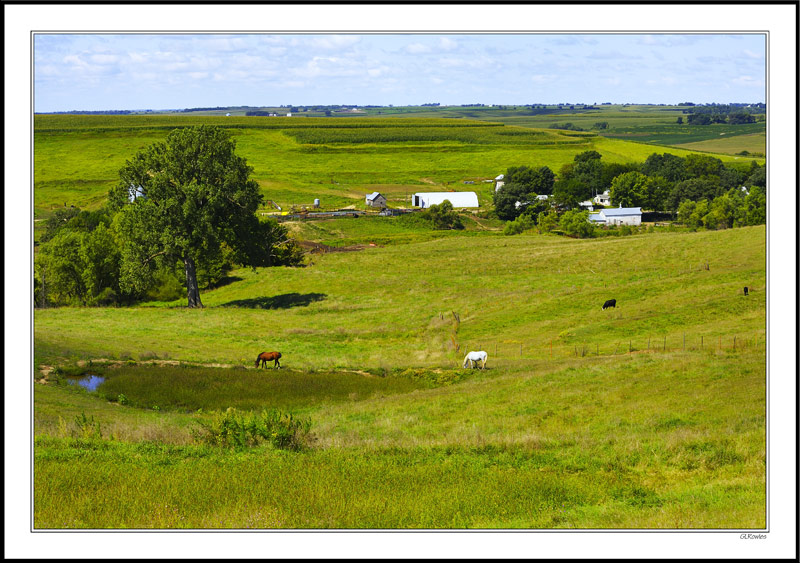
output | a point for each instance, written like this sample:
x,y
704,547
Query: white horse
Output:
x,y
474,357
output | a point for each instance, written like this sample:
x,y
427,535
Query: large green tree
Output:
x,y
632,189
179,200
522,186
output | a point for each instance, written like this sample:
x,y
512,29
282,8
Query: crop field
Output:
x,y
650,415
296,160
754,143
680,135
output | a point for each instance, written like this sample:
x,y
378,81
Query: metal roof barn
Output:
x,y
458,199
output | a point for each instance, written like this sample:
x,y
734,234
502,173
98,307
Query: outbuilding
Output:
x,y
458,199
619,216
375,199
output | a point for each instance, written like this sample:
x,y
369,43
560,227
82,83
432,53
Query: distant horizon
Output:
x,y
162,72
426,104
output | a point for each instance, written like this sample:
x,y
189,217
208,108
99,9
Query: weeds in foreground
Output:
x,y
237,429
82,427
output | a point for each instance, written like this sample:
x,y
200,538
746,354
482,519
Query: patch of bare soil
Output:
x,y
319,248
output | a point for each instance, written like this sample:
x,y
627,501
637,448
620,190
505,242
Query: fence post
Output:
x,y
701,342
665,343
684,341
734,343
648,343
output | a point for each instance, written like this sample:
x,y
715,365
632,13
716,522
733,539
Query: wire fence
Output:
x,y
556,349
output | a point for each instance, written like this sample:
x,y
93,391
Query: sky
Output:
x,y
144,71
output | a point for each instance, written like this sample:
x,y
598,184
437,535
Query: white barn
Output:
x,y
458,199
618,216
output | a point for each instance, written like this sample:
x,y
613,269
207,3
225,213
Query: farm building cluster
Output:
x,y
609,216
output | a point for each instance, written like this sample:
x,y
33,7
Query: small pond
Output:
x,y
88,381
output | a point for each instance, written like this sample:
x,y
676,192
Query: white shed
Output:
x,y
458,199
621,216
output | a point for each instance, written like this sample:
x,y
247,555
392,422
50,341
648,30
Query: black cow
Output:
x,y
745,290
609,303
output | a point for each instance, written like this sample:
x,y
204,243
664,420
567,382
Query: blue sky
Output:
x,y
136,71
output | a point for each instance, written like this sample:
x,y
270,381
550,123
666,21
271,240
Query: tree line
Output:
x,y
181,217
724,196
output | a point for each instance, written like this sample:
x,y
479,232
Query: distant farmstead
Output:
x,y
375,199
458,199
618,216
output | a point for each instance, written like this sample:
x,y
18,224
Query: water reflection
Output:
x,y
88,382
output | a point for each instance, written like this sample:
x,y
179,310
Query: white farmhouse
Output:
x,y
618,216
603,198
458,199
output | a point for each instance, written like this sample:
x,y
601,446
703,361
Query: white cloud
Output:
x,y
378,71
333,42
104,59
448,44
417,49
746,80
542,78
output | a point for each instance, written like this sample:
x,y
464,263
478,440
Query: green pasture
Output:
x,y
77,158
393,305
650,415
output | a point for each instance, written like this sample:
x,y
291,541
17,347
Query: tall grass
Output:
x,y
651,442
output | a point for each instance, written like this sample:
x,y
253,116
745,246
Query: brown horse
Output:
x,y
265,357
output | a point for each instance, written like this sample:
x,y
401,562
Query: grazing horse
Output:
x,y
265,357
610,303
474,357
746,290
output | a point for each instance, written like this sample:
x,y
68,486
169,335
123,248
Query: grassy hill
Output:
x,y
338,160
649,415
619,423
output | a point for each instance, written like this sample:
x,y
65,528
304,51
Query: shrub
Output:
x,y
443,216
518,225
576,223
547,221
237,430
